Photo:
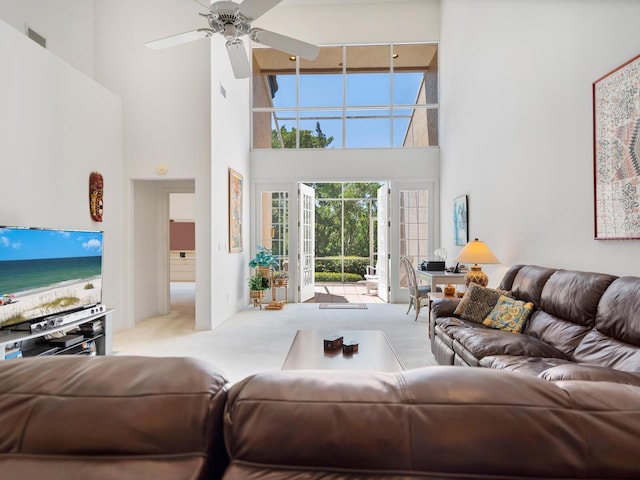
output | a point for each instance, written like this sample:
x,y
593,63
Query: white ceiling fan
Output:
x,y
233,20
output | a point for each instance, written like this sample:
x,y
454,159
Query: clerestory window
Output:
x,y
360,96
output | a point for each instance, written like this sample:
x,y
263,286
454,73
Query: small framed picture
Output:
x,y
460,220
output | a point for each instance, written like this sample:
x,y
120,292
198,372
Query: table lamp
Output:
x,y
476,251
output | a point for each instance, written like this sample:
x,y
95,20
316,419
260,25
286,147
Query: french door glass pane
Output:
x,y
414,228
275,225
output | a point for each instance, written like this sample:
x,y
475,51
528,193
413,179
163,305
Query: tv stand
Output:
x,y
96,331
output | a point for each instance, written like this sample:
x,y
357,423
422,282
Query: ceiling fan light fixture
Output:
x,y
230,32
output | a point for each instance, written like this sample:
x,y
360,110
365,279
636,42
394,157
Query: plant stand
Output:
x,y
277,283
256,296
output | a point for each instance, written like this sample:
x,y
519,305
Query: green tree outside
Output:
x,y
307,138
349,249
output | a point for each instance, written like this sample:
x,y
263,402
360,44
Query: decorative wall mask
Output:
x,y
96,186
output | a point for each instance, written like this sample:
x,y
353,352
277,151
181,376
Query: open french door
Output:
x,y
383,242
306,236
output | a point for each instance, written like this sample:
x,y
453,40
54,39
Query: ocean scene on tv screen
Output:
x,y
44,272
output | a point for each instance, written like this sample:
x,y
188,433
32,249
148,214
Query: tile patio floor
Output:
x,y
343,293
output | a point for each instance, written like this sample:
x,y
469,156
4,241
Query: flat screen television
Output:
x,y
45,272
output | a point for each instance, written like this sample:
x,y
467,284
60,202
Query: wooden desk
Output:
x,y
440,278
374,352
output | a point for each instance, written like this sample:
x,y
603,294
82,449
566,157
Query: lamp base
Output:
x,y
476,275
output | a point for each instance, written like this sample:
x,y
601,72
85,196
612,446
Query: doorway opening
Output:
x,y
182,253
346,252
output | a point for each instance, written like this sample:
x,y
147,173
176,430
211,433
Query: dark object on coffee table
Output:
x,y
333,343
349,347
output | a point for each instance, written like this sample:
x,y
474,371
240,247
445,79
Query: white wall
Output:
x,y
182,207
56,127
66,24
516,126
167,123
230,149
348,164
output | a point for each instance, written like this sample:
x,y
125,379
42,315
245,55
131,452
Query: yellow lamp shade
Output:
x,y
476,251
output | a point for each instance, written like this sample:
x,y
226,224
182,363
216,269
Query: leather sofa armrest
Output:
x,y
444,307
590,372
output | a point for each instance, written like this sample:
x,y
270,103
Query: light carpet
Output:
x,y
257,340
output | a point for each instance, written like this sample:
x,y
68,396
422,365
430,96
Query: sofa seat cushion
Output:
x,y
574,371
445,327
481,342
533,366
449,324
596,348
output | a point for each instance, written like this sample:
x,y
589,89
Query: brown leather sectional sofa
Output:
x,y
584,326
125,418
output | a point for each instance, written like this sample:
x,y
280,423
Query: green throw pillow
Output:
x,y
509,315
477,302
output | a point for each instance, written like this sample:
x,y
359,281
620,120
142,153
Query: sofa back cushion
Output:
x,y
618,314
574,296
562,334
116,417
509,277
567,309
615,340
432,422
529,281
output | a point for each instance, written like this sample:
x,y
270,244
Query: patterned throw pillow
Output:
x,y
477,302
509,315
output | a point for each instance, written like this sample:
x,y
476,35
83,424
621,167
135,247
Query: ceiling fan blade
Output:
x,y
179,38
252,9
285,44
239,60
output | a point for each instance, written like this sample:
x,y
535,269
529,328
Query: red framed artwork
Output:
x,y
616,153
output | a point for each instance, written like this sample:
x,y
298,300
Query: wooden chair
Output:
x,y
417,293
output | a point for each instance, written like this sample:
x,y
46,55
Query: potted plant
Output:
x,y
257,285
280,278
264,261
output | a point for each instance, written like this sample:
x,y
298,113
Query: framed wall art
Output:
x,y
235,211
616,153
460,221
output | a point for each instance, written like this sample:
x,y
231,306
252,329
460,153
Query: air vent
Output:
x,y
36,37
